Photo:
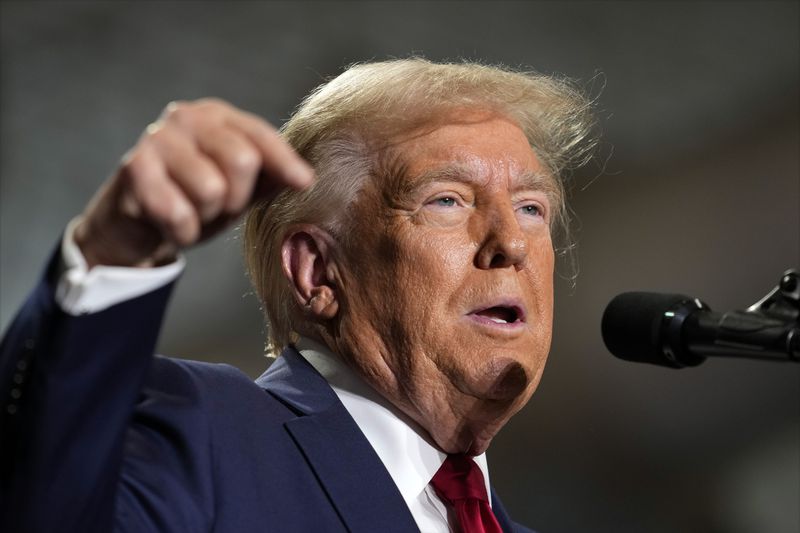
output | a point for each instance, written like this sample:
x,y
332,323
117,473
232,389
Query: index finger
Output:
x,y
279,161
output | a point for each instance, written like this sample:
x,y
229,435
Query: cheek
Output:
x,y
538,277
428,280
541,255
432,269
401,283
543,269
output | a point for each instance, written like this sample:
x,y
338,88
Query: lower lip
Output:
x,y
484,321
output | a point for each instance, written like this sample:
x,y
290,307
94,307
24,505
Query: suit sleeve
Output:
x,y
68,388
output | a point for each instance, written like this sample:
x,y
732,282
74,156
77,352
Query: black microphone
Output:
x,y
677,331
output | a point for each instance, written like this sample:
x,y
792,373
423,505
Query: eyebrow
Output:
x,y
528,180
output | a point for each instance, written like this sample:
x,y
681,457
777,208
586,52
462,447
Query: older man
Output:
x,y
408,285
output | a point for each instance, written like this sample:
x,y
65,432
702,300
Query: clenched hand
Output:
x,y
192,173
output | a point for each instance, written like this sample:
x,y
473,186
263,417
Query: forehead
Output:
x,y
487,149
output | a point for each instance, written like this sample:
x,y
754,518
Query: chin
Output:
x,y
472,432
503,379
470,439
506,390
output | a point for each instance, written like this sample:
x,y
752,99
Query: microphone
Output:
x,y
679,331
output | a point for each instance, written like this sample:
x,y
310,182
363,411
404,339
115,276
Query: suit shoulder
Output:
x,y
222,391
186,375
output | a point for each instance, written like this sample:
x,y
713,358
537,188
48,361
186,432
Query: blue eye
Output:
x,y
447,201
531,210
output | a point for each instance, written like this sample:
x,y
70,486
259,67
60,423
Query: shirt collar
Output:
x,y
400,443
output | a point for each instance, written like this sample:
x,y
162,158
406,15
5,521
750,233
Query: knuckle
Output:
x,y
243,162
159,133
178,215
180,114
174,106
213,102
154,133
210,191
134,164
185,113
153,128
198,114
189,231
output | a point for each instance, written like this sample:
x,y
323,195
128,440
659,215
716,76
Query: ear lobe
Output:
x,y
323,303
305,256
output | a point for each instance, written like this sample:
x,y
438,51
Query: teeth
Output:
x,y
498,320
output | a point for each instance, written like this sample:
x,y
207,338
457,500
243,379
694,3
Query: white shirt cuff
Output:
x,y
81,291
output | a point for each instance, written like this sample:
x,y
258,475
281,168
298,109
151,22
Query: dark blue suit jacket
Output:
x,y
98,435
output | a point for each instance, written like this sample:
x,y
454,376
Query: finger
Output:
x,y
237,158
280,162
199,178
157,199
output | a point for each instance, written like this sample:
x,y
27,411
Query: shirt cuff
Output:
x,y
82,291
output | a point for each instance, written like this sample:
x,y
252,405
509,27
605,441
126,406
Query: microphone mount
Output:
x,y
783,301
683,330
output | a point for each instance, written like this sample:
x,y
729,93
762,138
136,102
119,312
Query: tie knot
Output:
x,y
459,478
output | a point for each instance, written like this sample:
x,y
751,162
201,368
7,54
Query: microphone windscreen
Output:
x,y
631,325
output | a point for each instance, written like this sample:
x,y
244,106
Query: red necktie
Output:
x,y
459,483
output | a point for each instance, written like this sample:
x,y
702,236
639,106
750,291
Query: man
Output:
x,y
400,235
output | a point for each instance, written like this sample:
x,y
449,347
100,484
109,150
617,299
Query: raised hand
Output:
x,y
191,173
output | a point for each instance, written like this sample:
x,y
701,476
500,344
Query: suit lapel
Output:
x,y
503,519
349,470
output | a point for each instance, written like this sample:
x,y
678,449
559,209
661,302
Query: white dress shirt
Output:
x,y
399,442
81,291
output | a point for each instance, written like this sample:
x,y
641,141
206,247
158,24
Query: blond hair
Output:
x,y
344,125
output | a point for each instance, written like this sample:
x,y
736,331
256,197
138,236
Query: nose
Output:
x,y
505,244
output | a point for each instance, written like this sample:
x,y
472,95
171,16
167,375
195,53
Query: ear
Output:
x,y
306,257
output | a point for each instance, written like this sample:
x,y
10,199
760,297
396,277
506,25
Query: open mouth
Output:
x,y
501,314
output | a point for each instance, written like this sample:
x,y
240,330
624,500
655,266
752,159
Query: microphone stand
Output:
x,y
783,301
767,330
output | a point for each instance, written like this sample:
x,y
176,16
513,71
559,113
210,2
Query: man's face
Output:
x,y
447,288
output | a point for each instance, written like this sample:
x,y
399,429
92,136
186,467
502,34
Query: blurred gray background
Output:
x,y
696,190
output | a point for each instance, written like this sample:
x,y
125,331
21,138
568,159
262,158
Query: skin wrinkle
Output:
x,y
346,128
464,172
404,323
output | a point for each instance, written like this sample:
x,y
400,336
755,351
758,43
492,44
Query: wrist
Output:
x,y
106,244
